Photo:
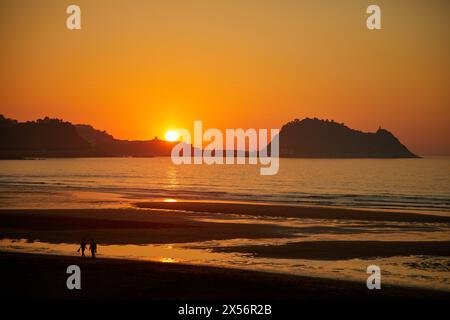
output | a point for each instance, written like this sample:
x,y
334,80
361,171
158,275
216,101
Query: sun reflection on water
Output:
x,y
167,260
421,271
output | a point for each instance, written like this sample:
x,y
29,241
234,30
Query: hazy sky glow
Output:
x,y
140,67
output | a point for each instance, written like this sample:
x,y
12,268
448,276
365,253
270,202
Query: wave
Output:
x,y
385,201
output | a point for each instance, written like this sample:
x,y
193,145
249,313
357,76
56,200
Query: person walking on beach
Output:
x,y
83,245
93,248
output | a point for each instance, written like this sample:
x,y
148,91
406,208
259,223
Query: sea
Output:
x,y
418,185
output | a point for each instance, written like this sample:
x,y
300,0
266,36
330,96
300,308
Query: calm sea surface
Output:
x,y
395,184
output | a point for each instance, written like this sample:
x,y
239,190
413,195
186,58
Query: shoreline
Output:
x,y
195,233
293,210
183,222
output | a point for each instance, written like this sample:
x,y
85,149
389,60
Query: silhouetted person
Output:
x,y
82,247
93,248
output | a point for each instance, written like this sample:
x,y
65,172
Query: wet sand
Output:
x,y
32,276
125,226
339,250
267,210
171,223
187,222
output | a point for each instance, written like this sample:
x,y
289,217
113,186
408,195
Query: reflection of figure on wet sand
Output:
x,y
93,248
82,247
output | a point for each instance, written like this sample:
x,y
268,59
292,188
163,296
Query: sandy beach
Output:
x,y
176,222
349,234
276,210
43,277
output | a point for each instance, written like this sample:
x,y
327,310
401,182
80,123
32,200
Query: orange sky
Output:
x,y
140,67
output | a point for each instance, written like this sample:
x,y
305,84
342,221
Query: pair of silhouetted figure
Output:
x,y
92,247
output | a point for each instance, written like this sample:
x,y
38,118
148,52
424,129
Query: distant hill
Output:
x,y
57,138
108,145
42,138
315,138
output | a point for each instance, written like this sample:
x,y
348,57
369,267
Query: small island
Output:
x,y
316,138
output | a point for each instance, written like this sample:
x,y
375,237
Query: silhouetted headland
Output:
x,y
57,138
316,138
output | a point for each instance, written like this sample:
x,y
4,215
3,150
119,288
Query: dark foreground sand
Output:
x,y
44,277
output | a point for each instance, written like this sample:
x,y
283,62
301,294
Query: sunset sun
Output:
x,y
172,135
